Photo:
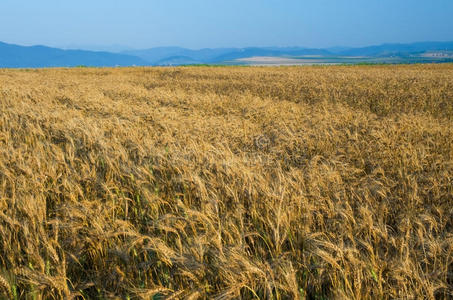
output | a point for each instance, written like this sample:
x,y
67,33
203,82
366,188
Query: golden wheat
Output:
x,y
232,182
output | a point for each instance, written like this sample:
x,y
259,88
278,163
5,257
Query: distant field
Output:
x,y
282,61
337,60
323,182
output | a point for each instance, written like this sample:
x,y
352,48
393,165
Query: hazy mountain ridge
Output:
x,y
161,54
397,49
166,55
15,56
218,55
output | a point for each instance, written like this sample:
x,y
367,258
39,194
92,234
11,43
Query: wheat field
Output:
x,y
322,182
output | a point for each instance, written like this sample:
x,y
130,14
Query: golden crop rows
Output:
x,y
227,182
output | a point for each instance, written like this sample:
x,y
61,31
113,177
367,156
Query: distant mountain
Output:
x,y
114,48
338,49
167,55
397,49
14,56
160,55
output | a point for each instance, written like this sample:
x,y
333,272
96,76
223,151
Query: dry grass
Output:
x,y
188,183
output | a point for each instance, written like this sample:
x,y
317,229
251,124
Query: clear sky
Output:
x,y
226,23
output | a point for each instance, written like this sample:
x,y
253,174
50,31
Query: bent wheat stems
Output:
x,y
190,182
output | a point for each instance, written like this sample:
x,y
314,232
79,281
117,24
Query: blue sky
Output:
x,y
232,23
